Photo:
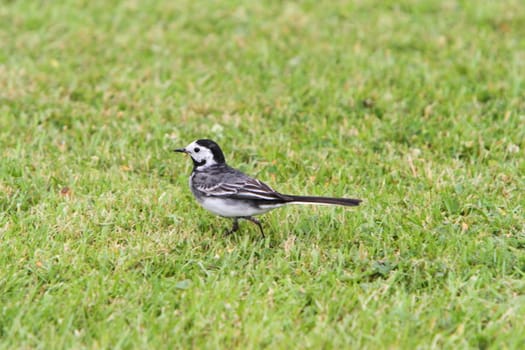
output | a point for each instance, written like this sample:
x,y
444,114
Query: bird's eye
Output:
x,y
196,150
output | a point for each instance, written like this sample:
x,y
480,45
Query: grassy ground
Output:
x,y
418,107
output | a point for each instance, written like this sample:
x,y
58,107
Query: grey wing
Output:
x,y
242,188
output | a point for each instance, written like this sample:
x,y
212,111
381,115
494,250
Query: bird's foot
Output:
x,y
234,228
256,222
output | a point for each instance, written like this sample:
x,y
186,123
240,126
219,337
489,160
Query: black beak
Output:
x,y
182,150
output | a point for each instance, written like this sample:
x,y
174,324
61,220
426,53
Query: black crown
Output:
x,y
218,156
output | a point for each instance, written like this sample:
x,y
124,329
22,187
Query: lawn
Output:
x,y
417,107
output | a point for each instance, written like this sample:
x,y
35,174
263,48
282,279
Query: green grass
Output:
x,y
418,107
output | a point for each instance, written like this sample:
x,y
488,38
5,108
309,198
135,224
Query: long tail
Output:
x,y
349,202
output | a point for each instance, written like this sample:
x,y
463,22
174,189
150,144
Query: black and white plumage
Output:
x,y
228,192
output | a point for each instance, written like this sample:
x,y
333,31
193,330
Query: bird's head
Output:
x,y
204,153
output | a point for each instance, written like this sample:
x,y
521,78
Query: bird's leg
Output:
x,y
234,228
255,221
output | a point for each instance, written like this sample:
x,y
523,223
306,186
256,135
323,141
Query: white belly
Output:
x,y
231,208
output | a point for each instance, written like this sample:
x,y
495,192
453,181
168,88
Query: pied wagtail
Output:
x,y
230,193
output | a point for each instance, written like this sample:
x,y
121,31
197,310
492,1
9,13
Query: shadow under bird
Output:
x,y
228,192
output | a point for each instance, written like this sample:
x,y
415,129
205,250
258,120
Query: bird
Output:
x,y
228,192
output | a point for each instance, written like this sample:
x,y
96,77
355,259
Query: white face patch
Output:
x,y
202,156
